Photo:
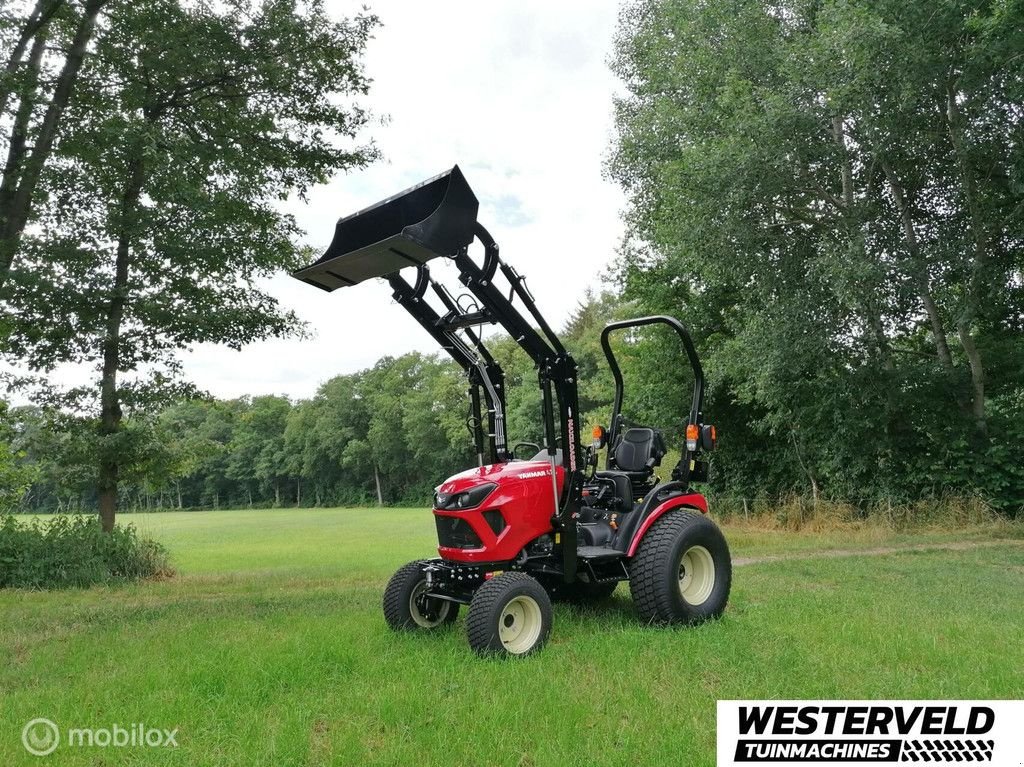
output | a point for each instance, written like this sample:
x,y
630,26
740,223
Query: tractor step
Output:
x,y
595,553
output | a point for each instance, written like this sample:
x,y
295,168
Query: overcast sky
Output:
x,y
518,93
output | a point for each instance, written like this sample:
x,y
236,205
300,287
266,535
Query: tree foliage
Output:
x,y
388,434
829,193
45,43
190,124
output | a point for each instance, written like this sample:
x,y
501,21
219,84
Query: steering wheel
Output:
x,y
515,447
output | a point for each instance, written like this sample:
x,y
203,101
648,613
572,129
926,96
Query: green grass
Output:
x,y
269,648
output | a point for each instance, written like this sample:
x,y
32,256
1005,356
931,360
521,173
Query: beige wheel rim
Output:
x,y
696,575
418,617
519,624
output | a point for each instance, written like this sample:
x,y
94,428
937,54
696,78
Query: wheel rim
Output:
x,y
426,612
519,624
696,575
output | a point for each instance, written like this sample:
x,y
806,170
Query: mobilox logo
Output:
x,y
42,736
869,732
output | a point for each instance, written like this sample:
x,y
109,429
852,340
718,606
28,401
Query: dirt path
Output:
x,y
874,552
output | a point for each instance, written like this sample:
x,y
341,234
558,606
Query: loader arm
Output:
x,y
438,218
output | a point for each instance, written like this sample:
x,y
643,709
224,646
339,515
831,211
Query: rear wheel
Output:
x,y
682,572
509,615
407,606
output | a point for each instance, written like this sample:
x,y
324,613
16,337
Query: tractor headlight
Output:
x,y
466,499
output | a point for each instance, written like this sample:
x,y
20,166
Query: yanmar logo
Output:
x,y
532,474
869,732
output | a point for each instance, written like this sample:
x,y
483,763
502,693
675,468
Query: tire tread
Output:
x,y
479,628
395,611
651,596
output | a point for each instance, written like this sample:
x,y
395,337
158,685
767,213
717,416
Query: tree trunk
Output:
x,y
17,146
298,493
978,414
39,18
806,467
23,116
376,480
920,268
16,202
846,169
177,487
277,494
867,303
110,405
976,282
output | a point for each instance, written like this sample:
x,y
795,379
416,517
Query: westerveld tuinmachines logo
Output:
x,y
866,732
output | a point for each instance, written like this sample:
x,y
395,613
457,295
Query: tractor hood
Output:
x,y
491,513
502,474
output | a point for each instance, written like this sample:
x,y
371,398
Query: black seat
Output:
x,y
639,450
632,463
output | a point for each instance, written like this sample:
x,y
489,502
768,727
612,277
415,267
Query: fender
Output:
x,y
691,500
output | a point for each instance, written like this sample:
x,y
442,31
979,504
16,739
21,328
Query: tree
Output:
x,y
257,448
320,434
387,434
824,190
55,449
40,103
16,477
187,448
191,123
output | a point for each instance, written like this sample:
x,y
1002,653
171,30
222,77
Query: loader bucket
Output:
x,y
434,218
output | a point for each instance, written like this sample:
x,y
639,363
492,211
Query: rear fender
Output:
x,y
694,501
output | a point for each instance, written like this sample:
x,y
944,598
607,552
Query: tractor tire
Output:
x,y
682,571
510,615
405,607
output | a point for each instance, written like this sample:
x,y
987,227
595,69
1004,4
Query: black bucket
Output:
x,y
434,218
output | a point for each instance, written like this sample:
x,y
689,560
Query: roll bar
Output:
x,y
696,405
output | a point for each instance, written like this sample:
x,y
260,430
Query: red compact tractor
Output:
x,y
515,532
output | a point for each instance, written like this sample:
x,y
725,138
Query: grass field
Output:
x,y
269,648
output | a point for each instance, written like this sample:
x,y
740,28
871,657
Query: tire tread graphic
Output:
x,y
947,751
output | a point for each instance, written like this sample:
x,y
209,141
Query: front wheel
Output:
x,y
407,606
510,615
682,572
